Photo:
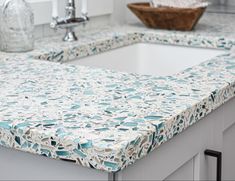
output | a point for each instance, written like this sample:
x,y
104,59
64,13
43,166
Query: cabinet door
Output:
x,y
229,153
229,141
185,172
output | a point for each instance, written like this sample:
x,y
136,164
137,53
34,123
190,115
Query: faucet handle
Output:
x,y
85,17
54,8
84,8
53,24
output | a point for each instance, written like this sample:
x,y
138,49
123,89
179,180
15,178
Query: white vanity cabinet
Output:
x,y
229,154
181,158
229,142
185,172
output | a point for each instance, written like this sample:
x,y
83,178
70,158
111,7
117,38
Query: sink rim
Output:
x,y
222,53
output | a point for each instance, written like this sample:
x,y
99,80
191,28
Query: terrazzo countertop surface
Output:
x,y
104,119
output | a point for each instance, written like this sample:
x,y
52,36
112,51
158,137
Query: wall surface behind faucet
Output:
x,y
122,14
103,12
94,23
99,13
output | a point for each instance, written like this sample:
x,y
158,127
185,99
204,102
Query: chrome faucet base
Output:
x,y
69,22
70,35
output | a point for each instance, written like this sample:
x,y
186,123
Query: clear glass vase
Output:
x,y
16,26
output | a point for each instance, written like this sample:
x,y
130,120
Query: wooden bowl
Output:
x,y
183,19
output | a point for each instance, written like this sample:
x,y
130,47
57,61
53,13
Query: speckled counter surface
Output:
x,y
104,119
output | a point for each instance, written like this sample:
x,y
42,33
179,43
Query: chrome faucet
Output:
x,y
70,21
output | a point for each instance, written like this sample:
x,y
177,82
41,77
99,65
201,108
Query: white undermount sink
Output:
x,y
149,59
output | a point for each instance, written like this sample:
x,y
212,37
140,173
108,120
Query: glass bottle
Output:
x,y
16,26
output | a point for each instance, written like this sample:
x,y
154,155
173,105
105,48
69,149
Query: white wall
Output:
x,y
102,12
44,30
122,14
42,9
99,13
130,18
118,9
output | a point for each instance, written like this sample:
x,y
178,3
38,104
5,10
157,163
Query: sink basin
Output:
x,y
149,59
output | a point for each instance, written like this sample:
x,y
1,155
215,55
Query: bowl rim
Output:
x,y
142,6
